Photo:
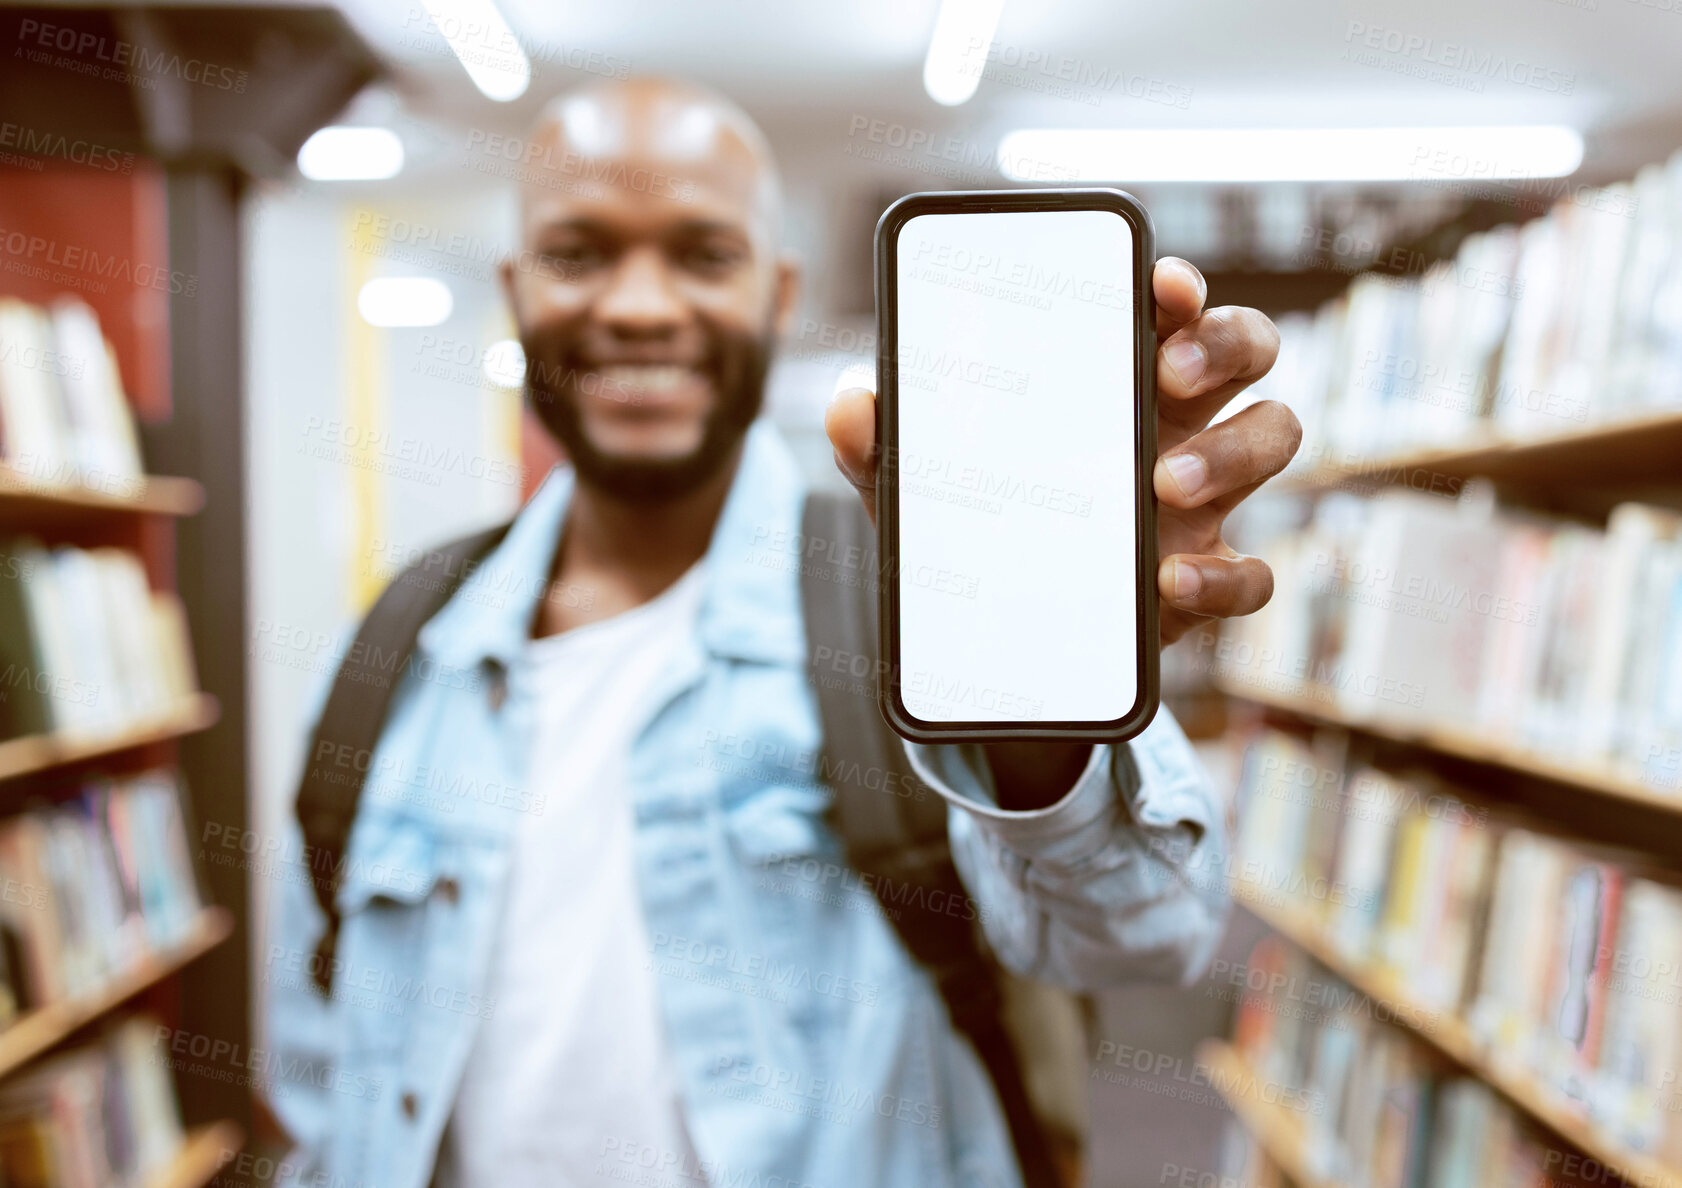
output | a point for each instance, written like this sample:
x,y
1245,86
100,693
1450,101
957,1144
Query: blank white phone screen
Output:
x,y
1017,443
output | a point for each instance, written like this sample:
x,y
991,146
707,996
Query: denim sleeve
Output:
x,y
299,1027
1120,880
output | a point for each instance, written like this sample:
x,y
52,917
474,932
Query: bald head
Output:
x,y
660,137
649,289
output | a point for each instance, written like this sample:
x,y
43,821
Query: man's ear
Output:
x,y
787,294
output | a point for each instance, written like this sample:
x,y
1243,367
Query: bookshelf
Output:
x,y
176,214
100,671
1600,780
1628,449
1448,1035
39,1030
32,754
23,501
1276,1130
205,1152
1564,403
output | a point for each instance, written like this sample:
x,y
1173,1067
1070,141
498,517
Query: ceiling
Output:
x,y
805,69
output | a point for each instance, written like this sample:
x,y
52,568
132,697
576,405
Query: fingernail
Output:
x,y
1187,581
1187,471
1197,278
861,383
1186,360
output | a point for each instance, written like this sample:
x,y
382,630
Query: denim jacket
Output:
x,y
810,1048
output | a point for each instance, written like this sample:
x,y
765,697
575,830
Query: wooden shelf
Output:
x,y
203,1153
42,752
36,1031
24,500
1448,1034
1625,451
1276,1130
1590,777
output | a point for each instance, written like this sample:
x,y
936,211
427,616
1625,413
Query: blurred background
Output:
x,y
253,357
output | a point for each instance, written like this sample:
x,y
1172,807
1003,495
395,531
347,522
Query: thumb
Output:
x,y
850,422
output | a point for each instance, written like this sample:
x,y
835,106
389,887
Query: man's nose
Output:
x,y
640,299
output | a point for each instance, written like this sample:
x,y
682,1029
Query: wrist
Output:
x,y
1034,775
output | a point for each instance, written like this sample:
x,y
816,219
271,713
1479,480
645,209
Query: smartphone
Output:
x,y
1016,410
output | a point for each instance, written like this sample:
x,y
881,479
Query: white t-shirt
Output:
x,y
573,1062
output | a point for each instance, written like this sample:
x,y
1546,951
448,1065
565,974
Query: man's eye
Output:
x,y
711,259
569,263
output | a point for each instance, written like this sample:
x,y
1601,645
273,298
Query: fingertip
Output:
x,y
1186,361
1180,479
1188,582
1178,581
851,394
1179,287
849,422
1215,587
845,406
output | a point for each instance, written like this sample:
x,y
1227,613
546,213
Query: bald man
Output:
x,y
608,963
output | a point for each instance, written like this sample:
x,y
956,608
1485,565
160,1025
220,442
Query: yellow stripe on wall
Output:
x,y
503,408
365,417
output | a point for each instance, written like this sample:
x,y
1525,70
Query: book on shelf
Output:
x,y
1416,612
85,645
93,885
64,419
98,1115
1561,961
1573,319
1429,925
1379,1111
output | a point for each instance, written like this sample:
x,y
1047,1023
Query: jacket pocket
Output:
x,y
779,822
391,860
392,874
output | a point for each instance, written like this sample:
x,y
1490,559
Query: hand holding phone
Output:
x,y
1229,349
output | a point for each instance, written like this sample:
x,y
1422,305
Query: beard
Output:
x,y
736,363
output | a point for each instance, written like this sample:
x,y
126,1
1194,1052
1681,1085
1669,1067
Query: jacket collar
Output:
x,y
750,605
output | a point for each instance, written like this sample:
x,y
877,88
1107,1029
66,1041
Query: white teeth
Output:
x,y
652,378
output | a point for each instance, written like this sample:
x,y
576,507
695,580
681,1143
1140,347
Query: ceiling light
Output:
x,y
342,153
1470,155
484,45
963,36
505,364
404,301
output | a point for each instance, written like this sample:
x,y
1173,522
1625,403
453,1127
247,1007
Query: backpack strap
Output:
x,y
356,711
892,823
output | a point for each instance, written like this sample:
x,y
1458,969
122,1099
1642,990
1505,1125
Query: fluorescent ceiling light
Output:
x,y
484,45
340,153
404,301
505,364
1471,155
963,35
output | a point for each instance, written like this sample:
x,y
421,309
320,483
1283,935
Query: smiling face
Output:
x,y
649,292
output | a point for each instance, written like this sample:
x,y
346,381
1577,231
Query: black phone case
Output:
x,y
887,479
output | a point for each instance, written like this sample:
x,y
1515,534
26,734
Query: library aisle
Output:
x,y
1456,724
292,294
